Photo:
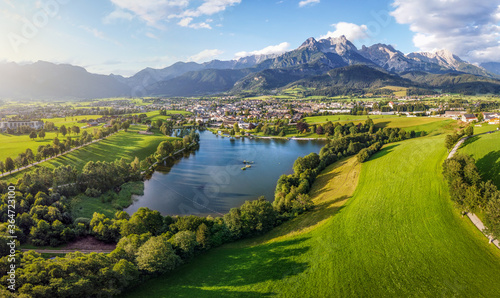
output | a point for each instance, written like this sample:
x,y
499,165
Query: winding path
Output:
x,y
475,220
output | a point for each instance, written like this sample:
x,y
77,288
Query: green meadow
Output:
x,y
123,144
397,236
486,151
12,145
336,118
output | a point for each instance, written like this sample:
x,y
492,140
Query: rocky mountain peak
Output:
x,y
310,43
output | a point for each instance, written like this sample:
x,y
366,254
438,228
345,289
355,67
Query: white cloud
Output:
x,y
151,35
95,32
349,30
152,11
186,22
98,34
276,49
307,2
156,12
205,55
468,28
117,15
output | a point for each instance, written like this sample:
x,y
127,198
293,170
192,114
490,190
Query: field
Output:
x,y
398,236
486,151
126,145
12,145
336,118
418,124
108,203
484,128
397,91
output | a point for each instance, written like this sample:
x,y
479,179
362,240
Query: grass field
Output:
x,y
108,203
397,236
126,145
336,118
484,128
397,91
486,151
12,145
418,124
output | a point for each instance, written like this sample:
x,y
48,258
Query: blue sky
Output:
x,y
125,36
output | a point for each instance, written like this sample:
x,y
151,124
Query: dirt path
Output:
x,y
473,218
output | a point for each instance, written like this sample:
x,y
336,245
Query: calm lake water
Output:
x,y
210,180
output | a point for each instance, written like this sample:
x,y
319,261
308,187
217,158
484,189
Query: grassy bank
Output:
x,y
486,151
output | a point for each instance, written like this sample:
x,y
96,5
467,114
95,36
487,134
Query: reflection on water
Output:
x,y
210,180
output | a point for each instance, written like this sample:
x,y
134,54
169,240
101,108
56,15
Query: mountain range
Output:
x,y
326,64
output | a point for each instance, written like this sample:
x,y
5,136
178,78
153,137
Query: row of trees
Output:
x,y
470,193
451,140
57,147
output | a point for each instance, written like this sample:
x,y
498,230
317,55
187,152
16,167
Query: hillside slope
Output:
x,y
397,236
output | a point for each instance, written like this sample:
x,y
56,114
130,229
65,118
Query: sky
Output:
x,y
125,36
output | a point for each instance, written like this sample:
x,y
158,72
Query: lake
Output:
x,y
210,181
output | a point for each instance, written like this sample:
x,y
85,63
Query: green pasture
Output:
x,y
486,151
398,236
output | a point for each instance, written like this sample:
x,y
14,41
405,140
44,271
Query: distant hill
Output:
x,y
325,63
493,67
195,83
44,80
456,82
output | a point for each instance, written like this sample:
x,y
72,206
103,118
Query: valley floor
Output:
x,y
398,235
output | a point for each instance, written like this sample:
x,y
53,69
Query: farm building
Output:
x,y
469,117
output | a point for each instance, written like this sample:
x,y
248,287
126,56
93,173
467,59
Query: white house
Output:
x,y
35,124
469,117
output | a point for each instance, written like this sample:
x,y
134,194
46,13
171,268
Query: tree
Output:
x,y
319,130
125,125
56,141
492,218
469,131
136,164
363,155
75,129
29,155
449,142
63,130
33,135
41,134
9,164
203,236
157,256
2,167
236,127
184,242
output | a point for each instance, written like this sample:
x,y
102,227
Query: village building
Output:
x,y
454,114
469,117
34,124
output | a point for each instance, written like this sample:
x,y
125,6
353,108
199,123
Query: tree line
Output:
x,y
472,194
58,146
